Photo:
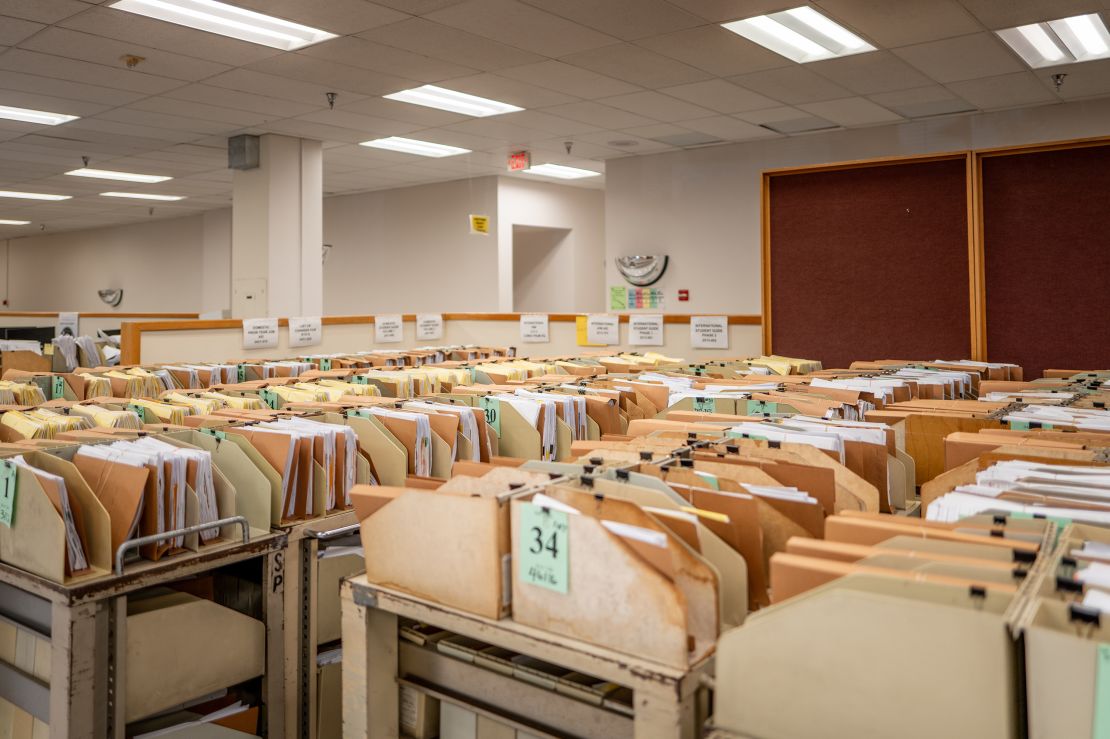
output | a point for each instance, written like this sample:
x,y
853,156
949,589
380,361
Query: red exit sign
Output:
x,y
519,161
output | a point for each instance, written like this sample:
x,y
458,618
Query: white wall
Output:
x,y
542,261
527,203
702,206
215,287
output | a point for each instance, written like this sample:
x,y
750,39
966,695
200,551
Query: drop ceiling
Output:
x,y
615,77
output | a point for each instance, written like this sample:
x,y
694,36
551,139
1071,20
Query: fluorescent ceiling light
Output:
x,y
456,102
562,172
1080,38
14,223
32,195
801,34
413,146
141,196
106,174
35,116
228,20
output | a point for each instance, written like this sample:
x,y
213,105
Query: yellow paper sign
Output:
x,y
479,224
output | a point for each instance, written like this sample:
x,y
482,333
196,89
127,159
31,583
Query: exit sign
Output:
x,y
519,161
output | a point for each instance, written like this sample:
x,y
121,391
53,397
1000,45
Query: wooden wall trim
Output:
x,y
860,163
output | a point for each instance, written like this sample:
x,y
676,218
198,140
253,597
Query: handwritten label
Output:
x,y
387,329
603,329
241,372
305,331
709,332
762,407
67,324
260,333
8,479
325,364
705,405
492,409
57,387
269,397
543,555
645,330
534,328
429,326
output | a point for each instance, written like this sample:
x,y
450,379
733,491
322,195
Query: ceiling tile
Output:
x,y
637,65
418,115
365,54
331,75
596,114
866,74
794,84
721,96
336,16
624,143
771,115
719,11
152,33
14,30
962,58
1088,79
729,128
370,126
657,130
167,121
269,85
38,101
187,109
995,15
310,130
48,65
568,79
521,25
109,52
715,50
506,90
418,7
851,112
450,44
41,11
658,106
625,19
552,124
889,24
1005,91
66,89
240,100
921,102
496,127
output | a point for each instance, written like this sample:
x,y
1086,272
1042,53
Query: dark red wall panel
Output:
x,y
1046,242
871,263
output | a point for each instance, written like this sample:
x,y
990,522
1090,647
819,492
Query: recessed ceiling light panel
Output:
x,y
228,20
32,195
561,171
141,196
5,222
801,34
26,115
106,174
1080,38
414,146
454,101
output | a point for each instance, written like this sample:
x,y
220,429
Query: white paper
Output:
x,y
709,332
67,324
533,328
387,329
260,333
305,331
645,330
603,329
429,326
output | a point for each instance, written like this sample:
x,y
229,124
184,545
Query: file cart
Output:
x,y
115,649
312,579
664,701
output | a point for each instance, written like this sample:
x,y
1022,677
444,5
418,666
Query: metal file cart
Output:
x,y
310,611
87,628
666,702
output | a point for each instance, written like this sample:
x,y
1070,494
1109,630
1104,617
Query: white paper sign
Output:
x,y
387,329
533,328
603,329
709,332
645,329
305,331
429,326
67,324
260,333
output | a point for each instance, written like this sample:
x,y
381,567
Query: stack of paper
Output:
x,y
55,488
106,418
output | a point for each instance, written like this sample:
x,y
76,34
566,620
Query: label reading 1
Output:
x,y
1100,725
325,364
543,555
492,407
7,493
270,398
705,405
57,387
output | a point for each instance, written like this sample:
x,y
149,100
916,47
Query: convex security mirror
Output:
x,y
642,271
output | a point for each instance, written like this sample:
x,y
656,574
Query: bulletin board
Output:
x,y
869,260
1046,255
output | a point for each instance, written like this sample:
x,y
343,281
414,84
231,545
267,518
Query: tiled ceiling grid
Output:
x,y
615,77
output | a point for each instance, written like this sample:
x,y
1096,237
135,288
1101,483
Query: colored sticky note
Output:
x,y
7,493
618,298
492,408
325,364
269,397
543,549
241,371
